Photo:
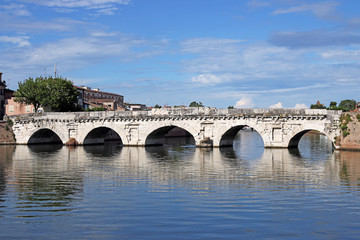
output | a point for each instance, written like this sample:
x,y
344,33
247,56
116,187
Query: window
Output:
x,y
28,108
11,108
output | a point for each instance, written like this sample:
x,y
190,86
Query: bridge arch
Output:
x,y
155,135
100,135
294,140
45,136
227,135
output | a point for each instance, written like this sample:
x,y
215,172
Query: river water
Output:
x,y
180,192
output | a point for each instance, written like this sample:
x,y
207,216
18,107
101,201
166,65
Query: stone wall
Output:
x,y
350,131
6,133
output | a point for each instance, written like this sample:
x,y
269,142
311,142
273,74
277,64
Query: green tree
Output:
x,y
347,105
157,106
96,109
315,106
57,93
196,104
332,105
29,92
62,95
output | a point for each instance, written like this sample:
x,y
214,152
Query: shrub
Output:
x,y
344,120
9,122
345,133
358,117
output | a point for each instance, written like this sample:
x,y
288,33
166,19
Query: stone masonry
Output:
x,y
215,127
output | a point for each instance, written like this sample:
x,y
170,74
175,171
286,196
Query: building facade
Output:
x,y
96,98
16,108
136,107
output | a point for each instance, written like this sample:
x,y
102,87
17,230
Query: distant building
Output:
x,y
319,104
96,98
2,97
108,104
357,108
16,108
136,107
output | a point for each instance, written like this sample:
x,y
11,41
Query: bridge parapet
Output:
x,y
184,112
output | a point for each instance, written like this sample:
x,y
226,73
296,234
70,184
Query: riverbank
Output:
x,y
350,132
6,133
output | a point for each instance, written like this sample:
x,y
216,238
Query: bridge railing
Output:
x,y
190,111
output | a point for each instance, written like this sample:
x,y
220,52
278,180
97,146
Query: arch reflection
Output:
x,y
52,180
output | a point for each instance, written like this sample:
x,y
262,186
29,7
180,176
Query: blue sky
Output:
x,y
243,53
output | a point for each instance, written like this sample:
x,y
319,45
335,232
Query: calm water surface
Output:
x,y
180,192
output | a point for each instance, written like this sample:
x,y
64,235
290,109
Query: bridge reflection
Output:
x,y
188,165
54,176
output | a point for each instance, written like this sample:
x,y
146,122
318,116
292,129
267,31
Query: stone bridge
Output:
x,y
209,127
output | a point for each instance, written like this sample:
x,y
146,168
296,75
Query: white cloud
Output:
x,y
107,7
277,105
253,65
206,79
244,102
300,106
59,24
243,61
21,41
324,10
76,3
209,45
14,9
212,79
103,34
341,54
75,53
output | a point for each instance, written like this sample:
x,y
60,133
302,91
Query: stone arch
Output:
x,y
294,140
156,134
45,136
100,135
227,135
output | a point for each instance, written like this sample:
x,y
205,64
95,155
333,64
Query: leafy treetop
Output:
x,y
57,93
196,104
345,105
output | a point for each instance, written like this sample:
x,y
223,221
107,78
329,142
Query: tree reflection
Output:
x,y
47,179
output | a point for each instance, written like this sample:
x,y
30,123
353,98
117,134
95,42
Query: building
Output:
x,y
7,104
2,97
87,98
108,104
136,107
357,108
96,98
15,108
